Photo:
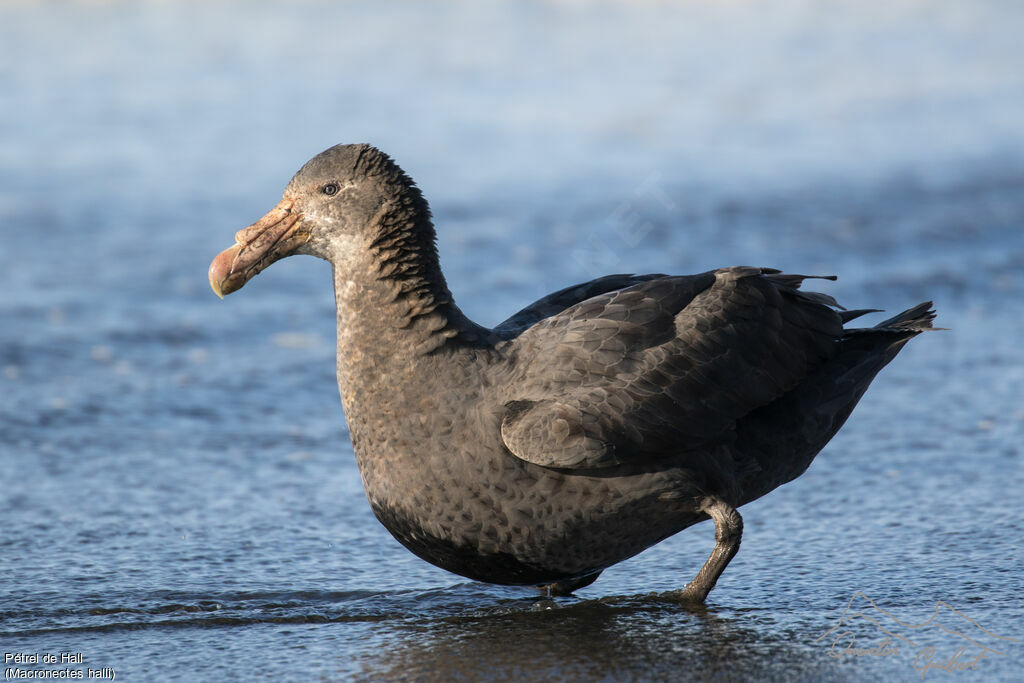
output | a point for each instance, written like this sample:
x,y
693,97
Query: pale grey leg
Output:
x,y
728,532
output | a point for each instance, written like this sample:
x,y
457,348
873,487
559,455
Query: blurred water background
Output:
x,y
178,495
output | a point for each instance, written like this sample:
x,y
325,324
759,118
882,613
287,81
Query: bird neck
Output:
x,y
393,303
399,330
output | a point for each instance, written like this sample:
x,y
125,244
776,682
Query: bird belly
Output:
x,y
555,530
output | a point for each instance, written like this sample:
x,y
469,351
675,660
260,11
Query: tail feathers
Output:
x,y
907,324
916,319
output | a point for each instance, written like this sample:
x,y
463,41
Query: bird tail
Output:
x,y
912,321
916,319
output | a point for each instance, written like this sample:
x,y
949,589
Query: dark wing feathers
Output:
x,y
557,302
662,366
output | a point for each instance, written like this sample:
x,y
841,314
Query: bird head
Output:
x,y
327,206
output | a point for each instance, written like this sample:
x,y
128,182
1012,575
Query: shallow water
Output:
x,y
179,495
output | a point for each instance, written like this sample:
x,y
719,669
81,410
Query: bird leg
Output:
x,y
728,532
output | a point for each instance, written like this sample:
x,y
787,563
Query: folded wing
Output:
x,y
662,366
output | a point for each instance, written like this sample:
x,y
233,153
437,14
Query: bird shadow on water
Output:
x,y
614,638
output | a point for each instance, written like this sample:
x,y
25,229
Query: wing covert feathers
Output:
x,y
663,366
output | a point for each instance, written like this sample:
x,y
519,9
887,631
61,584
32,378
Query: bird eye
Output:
x,y
330,189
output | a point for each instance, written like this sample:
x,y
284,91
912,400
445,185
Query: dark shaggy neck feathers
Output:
x,y
404,248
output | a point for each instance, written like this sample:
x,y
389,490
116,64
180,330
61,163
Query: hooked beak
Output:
x,y
276,235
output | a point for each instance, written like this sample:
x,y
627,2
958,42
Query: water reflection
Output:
x,y
606,639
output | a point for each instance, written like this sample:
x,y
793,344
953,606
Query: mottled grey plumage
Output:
x,y
587,427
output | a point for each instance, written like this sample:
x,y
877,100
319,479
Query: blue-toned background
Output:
x,y
178,496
